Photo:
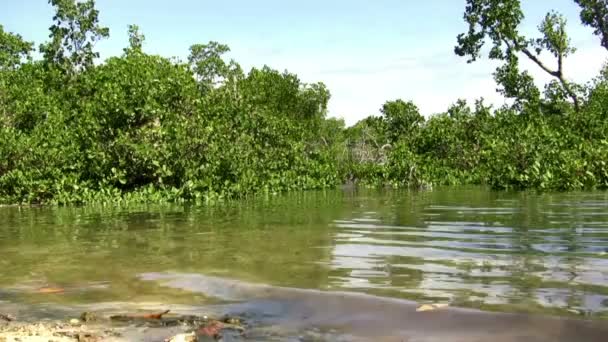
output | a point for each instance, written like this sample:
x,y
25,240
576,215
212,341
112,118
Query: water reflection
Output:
x,y
480,249
500,251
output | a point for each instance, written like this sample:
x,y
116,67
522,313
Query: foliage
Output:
x,y
136,40
13,49
499,21
75,31
594,13
141,127
402,118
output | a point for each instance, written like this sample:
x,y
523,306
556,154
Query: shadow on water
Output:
x,y
512,252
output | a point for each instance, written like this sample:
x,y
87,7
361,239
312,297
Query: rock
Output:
x,y
88,317
191,337
7,317
231,320
74,321
87,338
212,329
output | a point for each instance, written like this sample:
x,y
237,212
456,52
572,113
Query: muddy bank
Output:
x,y
381,319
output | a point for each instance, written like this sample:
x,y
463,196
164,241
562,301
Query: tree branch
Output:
x,y
538,62
602,26
571,93
559,73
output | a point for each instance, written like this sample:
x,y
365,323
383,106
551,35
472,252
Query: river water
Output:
x,y
545,254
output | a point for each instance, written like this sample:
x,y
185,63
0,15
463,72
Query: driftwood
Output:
x,y
153,316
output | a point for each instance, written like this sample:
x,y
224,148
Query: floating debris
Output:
x,y
212,330
155,316
431,307
191,337
161,319
50,290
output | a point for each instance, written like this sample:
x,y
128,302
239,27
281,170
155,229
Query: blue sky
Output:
x,y
366,51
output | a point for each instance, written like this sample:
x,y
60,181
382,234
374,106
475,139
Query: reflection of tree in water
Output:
x,y
282,242
554,260
468,245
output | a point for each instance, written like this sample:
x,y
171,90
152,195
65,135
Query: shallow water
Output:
x,y
515,252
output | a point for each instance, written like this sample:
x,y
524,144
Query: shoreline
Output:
x,y
271,313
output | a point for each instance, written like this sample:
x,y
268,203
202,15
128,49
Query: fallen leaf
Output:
x,y
155,315
431,307
49,290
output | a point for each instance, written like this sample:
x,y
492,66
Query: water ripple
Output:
x,y
552,254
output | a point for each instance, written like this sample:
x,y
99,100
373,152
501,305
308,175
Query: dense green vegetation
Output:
x,y
143,127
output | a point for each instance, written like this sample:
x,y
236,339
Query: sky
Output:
x,y
366,51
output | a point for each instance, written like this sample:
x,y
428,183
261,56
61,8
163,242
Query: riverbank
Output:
x,y
259,312
55,331
139,326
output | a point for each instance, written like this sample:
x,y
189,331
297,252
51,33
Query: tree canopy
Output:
x,y
142,127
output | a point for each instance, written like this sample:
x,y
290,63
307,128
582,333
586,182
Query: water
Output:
x,y
515,252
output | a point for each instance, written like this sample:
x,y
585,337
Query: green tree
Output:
x,y
74,33
209,67
136,40
402,118
283,93
499,21
13,49
13,52
594,13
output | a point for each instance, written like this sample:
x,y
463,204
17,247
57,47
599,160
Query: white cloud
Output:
x,y
433,79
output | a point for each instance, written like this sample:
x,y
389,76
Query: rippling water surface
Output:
x,y
474,248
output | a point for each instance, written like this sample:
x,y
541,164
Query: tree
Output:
x,y
283,94
594,13
13,49
73,35
313,100
459,110
136,40
499,20
209,67
401,118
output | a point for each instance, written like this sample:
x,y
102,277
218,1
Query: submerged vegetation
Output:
x,y
143,127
